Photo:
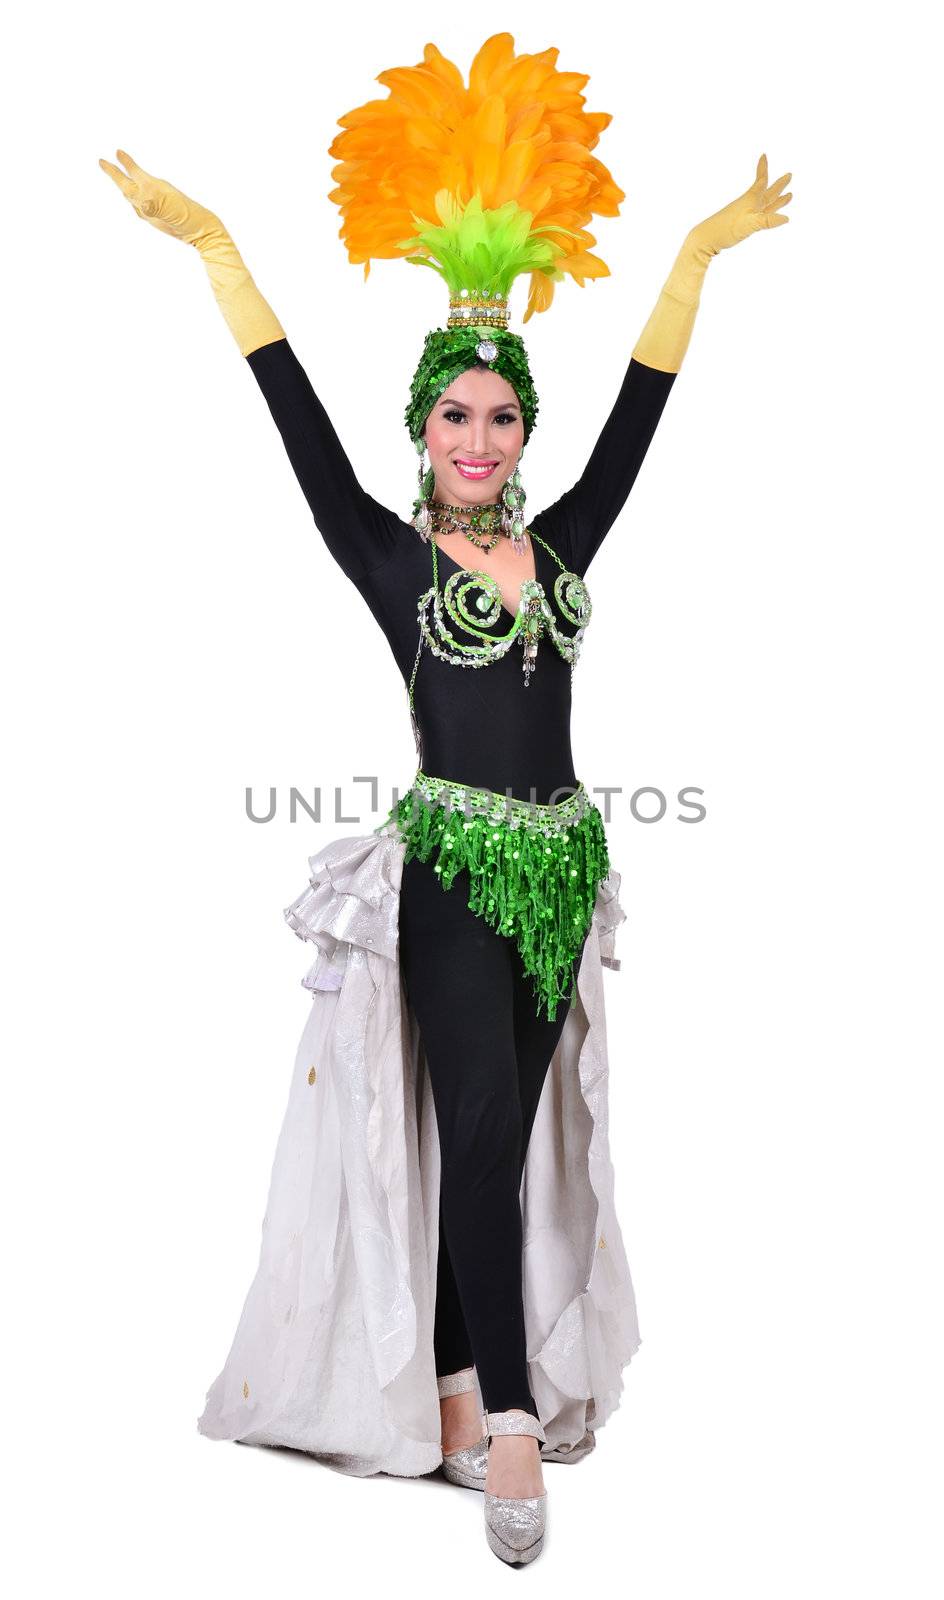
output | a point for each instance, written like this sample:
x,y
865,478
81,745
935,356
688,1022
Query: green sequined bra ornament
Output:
x,y
533,619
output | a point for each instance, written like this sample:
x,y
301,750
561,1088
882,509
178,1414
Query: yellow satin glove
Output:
x,y
664,340
250,318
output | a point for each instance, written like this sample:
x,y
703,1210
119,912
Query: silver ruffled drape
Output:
x,y
333,1353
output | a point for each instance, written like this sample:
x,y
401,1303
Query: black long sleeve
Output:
x,y
579,521
359,532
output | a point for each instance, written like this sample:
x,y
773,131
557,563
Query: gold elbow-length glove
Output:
x,y
249,316
664,340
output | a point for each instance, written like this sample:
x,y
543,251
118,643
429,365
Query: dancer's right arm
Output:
x,y
358,531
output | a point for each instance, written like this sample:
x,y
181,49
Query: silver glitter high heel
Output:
x,y
466,1467
515,1528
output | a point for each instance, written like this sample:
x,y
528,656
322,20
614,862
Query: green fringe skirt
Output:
x,y
533,870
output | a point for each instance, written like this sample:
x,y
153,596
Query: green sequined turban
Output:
x,y
448,352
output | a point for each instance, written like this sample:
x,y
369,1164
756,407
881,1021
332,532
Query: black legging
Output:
x,y
488,1055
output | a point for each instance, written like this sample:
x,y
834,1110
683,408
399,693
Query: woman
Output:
x,y
492,970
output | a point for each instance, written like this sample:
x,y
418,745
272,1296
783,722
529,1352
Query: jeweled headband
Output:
x,y
505,166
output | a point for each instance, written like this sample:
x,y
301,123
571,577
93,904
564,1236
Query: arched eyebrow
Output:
x,y
506,405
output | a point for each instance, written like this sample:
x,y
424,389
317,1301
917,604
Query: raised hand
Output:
x,y
159,203
251,319
758,207
664,340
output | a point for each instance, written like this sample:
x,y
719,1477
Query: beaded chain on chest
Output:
x,y
533,619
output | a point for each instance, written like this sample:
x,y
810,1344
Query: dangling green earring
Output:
x,y
513,499
427,483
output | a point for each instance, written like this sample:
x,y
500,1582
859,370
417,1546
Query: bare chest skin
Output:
x,y
508,570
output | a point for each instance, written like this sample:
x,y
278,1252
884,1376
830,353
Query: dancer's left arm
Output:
x,y
580,520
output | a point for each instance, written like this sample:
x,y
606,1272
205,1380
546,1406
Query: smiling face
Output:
x,y
475,423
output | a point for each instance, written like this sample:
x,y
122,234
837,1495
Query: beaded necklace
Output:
x,y
533,618
480,524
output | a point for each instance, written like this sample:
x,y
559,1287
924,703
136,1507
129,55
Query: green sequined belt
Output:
x,y
533,870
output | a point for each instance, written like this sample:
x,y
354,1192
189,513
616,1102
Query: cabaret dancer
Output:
x,y
440,1226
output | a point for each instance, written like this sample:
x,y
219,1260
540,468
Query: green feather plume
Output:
x,y
479,249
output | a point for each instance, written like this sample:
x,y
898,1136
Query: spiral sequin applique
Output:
x,y
533,619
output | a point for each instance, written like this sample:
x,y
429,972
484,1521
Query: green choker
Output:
x,y
533,870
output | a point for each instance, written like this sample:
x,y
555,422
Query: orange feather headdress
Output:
x,y
480,182
506,165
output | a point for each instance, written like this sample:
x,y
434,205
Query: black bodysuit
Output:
x,y
484,726
486,1049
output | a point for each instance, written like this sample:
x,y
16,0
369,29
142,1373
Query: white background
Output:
x,y
766,627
